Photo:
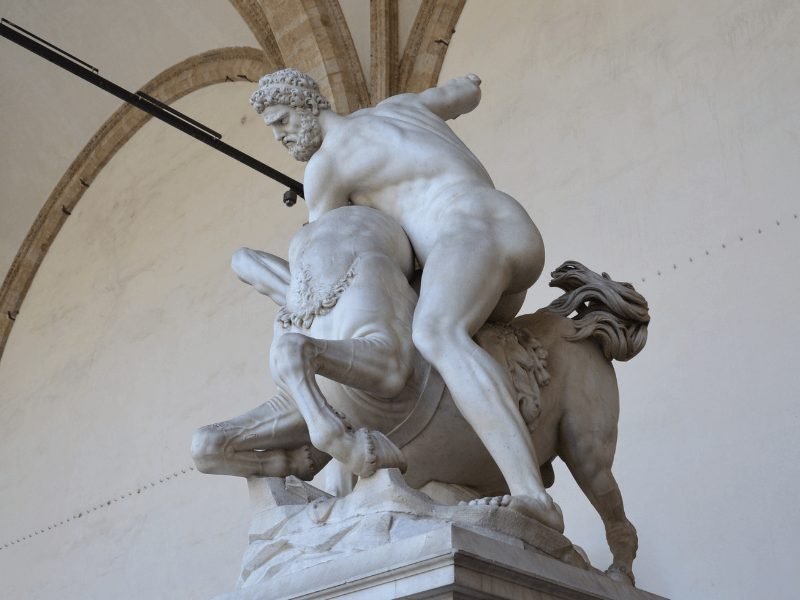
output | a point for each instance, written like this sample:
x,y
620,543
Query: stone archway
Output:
x,y
308,34
194,73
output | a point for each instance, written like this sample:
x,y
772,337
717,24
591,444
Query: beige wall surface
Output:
x,y
134,333
656,140
50,114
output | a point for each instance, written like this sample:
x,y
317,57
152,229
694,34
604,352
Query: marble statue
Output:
x,y
381,365
478,248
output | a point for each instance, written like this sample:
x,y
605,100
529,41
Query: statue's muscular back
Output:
x,y
404,160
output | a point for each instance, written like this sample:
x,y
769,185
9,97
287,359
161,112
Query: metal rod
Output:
x,y
53,46
178,114
144,102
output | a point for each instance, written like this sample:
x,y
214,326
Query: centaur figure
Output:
x,y
478,248
352,386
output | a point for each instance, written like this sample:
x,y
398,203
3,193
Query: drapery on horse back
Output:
x,y
524,359
313,301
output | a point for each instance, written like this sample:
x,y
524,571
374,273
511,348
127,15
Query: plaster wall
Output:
x,y
134,333
640,135
49,114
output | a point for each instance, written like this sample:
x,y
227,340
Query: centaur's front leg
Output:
x,y
269,441
365,363
378,361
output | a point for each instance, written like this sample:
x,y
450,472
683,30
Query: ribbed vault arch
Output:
x,y
199,71
427,45
308,34
312,35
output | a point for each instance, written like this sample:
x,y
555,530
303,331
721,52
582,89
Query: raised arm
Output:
x,y
456,97
267,273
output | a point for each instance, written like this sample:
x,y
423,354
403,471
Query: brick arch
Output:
x,y
199,71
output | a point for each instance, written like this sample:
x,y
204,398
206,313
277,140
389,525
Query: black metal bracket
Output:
x,y
145,102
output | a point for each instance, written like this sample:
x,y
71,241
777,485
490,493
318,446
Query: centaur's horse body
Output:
x,y
352,386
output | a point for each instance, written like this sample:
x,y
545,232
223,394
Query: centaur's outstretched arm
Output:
x,y
267,273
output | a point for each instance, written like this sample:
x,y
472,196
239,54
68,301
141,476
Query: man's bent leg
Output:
x,y
462,283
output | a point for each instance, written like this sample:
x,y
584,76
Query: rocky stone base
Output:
x,y
386,540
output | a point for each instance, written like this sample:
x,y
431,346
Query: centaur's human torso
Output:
x,y
350,274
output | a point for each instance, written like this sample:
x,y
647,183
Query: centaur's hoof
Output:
x,y
302,462
621,574
543,510
375,451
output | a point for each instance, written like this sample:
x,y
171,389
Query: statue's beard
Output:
x,y
308,139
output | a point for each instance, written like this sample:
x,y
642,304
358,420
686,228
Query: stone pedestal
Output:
x,y
447,563
387,541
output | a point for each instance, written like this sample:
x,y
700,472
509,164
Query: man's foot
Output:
x,y
372,451
542,509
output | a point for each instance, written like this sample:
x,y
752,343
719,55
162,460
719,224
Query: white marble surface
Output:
x,y
392,554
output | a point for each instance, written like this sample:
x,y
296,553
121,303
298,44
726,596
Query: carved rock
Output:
x,y
385,537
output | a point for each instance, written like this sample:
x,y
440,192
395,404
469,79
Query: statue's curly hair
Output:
x,y
288,87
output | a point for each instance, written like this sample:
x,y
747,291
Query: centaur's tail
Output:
x,y
612,313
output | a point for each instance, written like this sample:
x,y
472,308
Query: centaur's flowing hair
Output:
x,y
611,312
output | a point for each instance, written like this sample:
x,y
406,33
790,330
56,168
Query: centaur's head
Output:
x,y
290,102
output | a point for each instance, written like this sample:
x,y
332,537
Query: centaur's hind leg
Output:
x,y
269,441
368,363
588,443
